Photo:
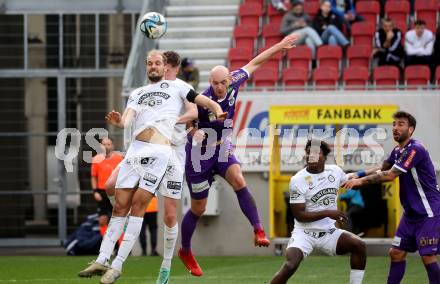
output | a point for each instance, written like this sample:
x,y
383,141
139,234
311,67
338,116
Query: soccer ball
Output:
x,y
153,25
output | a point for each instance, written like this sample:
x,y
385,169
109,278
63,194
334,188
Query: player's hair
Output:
x,y
173,58
412,122
419,23
325,147
156,52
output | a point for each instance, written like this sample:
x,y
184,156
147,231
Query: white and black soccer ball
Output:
x,y
153,25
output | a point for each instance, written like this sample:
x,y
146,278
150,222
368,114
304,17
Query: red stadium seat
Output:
x,y
274,62
271,34
359,55
355,78
370,10
295,77
274,15
311,8
245,36
397,10
300,57
362,33
250,14
386,77
238,57
329,56
417,75
426,10
403,29
265,77
437,76
325,78
261,2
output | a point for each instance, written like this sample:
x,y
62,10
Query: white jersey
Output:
x,y
179,135
319,192
158,105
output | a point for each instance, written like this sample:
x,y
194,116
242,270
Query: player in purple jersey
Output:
x,y
419,227
214,138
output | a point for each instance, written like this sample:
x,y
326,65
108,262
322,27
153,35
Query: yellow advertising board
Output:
x,y
322,114
332,114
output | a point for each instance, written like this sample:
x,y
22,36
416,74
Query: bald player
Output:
x,y
224,89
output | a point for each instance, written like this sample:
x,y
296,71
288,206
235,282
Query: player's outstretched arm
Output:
x,y
379,177
286,43
122,121
190,114
211,105
360,174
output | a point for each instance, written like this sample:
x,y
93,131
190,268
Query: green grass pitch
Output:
x,y
218,270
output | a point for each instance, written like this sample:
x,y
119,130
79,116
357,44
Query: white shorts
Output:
x,y
308,240
144,166
172,183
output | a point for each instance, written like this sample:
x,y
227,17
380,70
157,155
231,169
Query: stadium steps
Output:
x,y
221,42
200,30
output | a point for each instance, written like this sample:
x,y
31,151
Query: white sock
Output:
x,y
114,231
169,242
356,276
130,236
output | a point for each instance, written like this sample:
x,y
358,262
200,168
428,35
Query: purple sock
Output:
x,y
249,208
433,273
188,227
397,270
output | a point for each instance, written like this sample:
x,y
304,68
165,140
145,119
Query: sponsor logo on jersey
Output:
x,y
199,187
150,178
294,195
309,181
146,98
331,178
148,161
174,185
410,158
231,100
164,85
324,192
237,76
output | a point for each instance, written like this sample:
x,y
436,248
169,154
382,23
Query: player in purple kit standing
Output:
x,y
419,228
200,171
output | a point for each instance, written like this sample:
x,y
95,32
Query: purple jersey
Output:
x,y
227,104
419,191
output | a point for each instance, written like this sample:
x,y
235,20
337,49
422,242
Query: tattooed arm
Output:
x,y
379,177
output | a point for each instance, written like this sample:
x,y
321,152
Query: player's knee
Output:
x,y
120,210
170,219
290,266
198,210
238,182
360,247
396,255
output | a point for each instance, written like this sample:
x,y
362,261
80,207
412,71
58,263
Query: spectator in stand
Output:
x,y
388,44
346,12
355,208
189,73
281,5
299,22
419,44
329,26
436,53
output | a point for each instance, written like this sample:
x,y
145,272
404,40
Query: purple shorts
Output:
x,y
200,174
422,235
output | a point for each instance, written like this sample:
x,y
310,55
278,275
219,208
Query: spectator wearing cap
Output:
x,y
388,44
296,21
189,73
419,44
329,26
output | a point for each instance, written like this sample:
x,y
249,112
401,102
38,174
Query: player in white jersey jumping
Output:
x,y
173,179
154,109
313,197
